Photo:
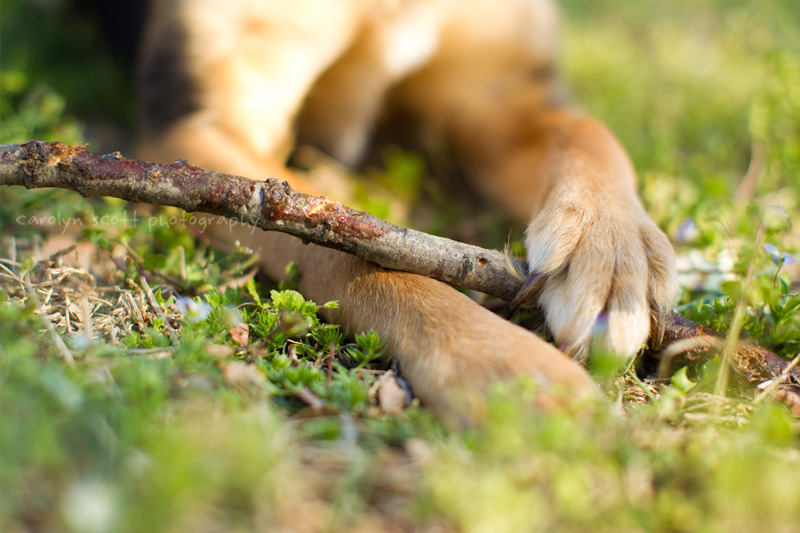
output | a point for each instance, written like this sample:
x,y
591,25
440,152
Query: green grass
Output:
x,y
169,420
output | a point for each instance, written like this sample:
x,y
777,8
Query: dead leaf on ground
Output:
x,y
240,334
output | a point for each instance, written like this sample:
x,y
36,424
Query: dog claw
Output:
x,y
531,286
658,323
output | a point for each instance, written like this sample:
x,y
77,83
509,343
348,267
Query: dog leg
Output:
x,y
450,348
598,264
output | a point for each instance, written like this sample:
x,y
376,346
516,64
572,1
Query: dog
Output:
x,y
230,84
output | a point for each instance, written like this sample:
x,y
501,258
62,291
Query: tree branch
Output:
x,y
273,206
270,205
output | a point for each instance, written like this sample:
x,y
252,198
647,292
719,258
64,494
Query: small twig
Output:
x,y
12,275
331,357
59,342
293,354
86,318
774,383
67,305
171,333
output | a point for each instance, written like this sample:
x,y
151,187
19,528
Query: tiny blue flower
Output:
x,y
777,256
688,231
773,252
193,311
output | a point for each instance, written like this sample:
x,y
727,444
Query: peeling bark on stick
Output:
x,y
270,205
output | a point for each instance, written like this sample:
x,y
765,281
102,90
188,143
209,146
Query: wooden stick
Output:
x,y
270,205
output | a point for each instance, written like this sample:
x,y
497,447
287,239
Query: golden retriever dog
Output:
x,y
230,84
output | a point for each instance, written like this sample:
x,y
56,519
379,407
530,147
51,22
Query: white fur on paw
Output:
x,y
604,274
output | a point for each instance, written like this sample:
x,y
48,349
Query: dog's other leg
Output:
x,y
598,264
221,82
340,112
449,348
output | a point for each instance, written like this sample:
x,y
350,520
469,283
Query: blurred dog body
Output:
x,y
230,84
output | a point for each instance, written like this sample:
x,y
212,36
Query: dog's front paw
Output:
x,y
599,269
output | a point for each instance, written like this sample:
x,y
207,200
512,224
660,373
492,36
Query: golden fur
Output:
x,y
228,84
